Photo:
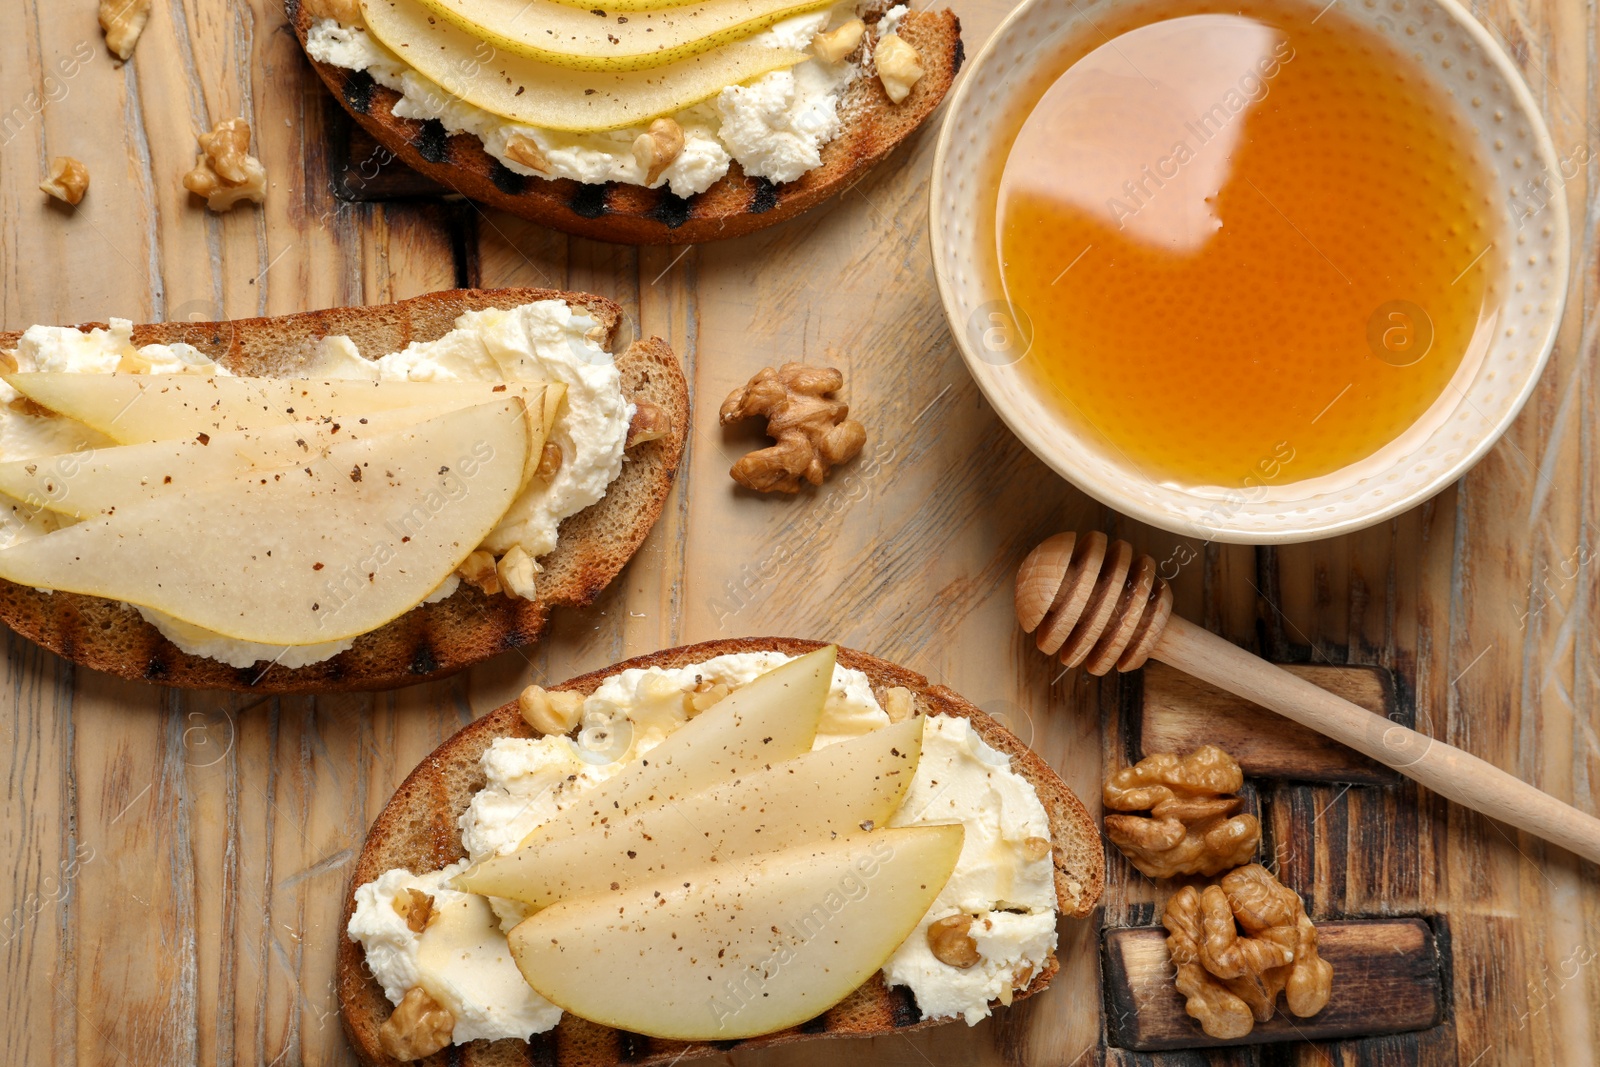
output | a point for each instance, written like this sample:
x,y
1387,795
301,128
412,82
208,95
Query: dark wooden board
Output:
x,y
1178,713
1388,979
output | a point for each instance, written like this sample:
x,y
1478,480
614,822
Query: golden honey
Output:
x,y
1252,244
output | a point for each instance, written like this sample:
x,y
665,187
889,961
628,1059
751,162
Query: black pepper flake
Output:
x,y
203,438
355,473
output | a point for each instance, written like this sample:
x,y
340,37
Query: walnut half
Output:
x,y
813,430
1192,826
1231,979
418,1027
225,172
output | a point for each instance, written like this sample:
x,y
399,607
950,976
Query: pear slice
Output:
x,y
837,791
163,407
734,951
100,481
558,98
771,718
302,555
590,38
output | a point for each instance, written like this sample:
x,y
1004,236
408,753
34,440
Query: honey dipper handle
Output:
x,y
1445,769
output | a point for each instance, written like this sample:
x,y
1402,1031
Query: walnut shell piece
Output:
x,y
814,432
225,172
123,21
68,181
1193,825
418,1027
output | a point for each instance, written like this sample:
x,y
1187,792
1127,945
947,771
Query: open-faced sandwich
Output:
x,y
730,844
643,121
346,499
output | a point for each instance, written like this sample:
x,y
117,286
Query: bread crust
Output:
x,y
417,830
737,204
432,640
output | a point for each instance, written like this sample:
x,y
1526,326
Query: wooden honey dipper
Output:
x,y
1095,603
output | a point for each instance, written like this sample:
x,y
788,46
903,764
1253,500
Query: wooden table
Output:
x,y
177,860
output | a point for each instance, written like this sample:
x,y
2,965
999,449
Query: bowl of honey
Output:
x,y
1251,270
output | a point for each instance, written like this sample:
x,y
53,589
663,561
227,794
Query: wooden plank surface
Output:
x,y
178,858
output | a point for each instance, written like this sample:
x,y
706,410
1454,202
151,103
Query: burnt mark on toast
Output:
x,y
423,660
632,1047
358,86
432,143
960,55
506,180
589,201
155,669
903,1010
671,210
542,1050
765,197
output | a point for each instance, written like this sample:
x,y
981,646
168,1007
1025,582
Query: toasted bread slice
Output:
x,y
631,214
417,830
432,640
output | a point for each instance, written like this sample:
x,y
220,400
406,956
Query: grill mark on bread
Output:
x,y
506,180
421,808
589,201
670,209
433,143
764,196
358,91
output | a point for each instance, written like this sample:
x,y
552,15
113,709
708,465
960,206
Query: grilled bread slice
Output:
x,y
417,830
432,640
737,204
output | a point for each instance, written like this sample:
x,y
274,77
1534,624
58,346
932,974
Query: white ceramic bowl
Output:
x,y
1021,60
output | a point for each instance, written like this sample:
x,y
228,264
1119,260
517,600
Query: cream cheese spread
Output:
x,y
542,341
775,127
1010,892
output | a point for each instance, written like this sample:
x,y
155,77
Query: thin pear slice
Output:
x,y
731,952
602,40
100,481
558,98
302,555
771,718
837,791
130,408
